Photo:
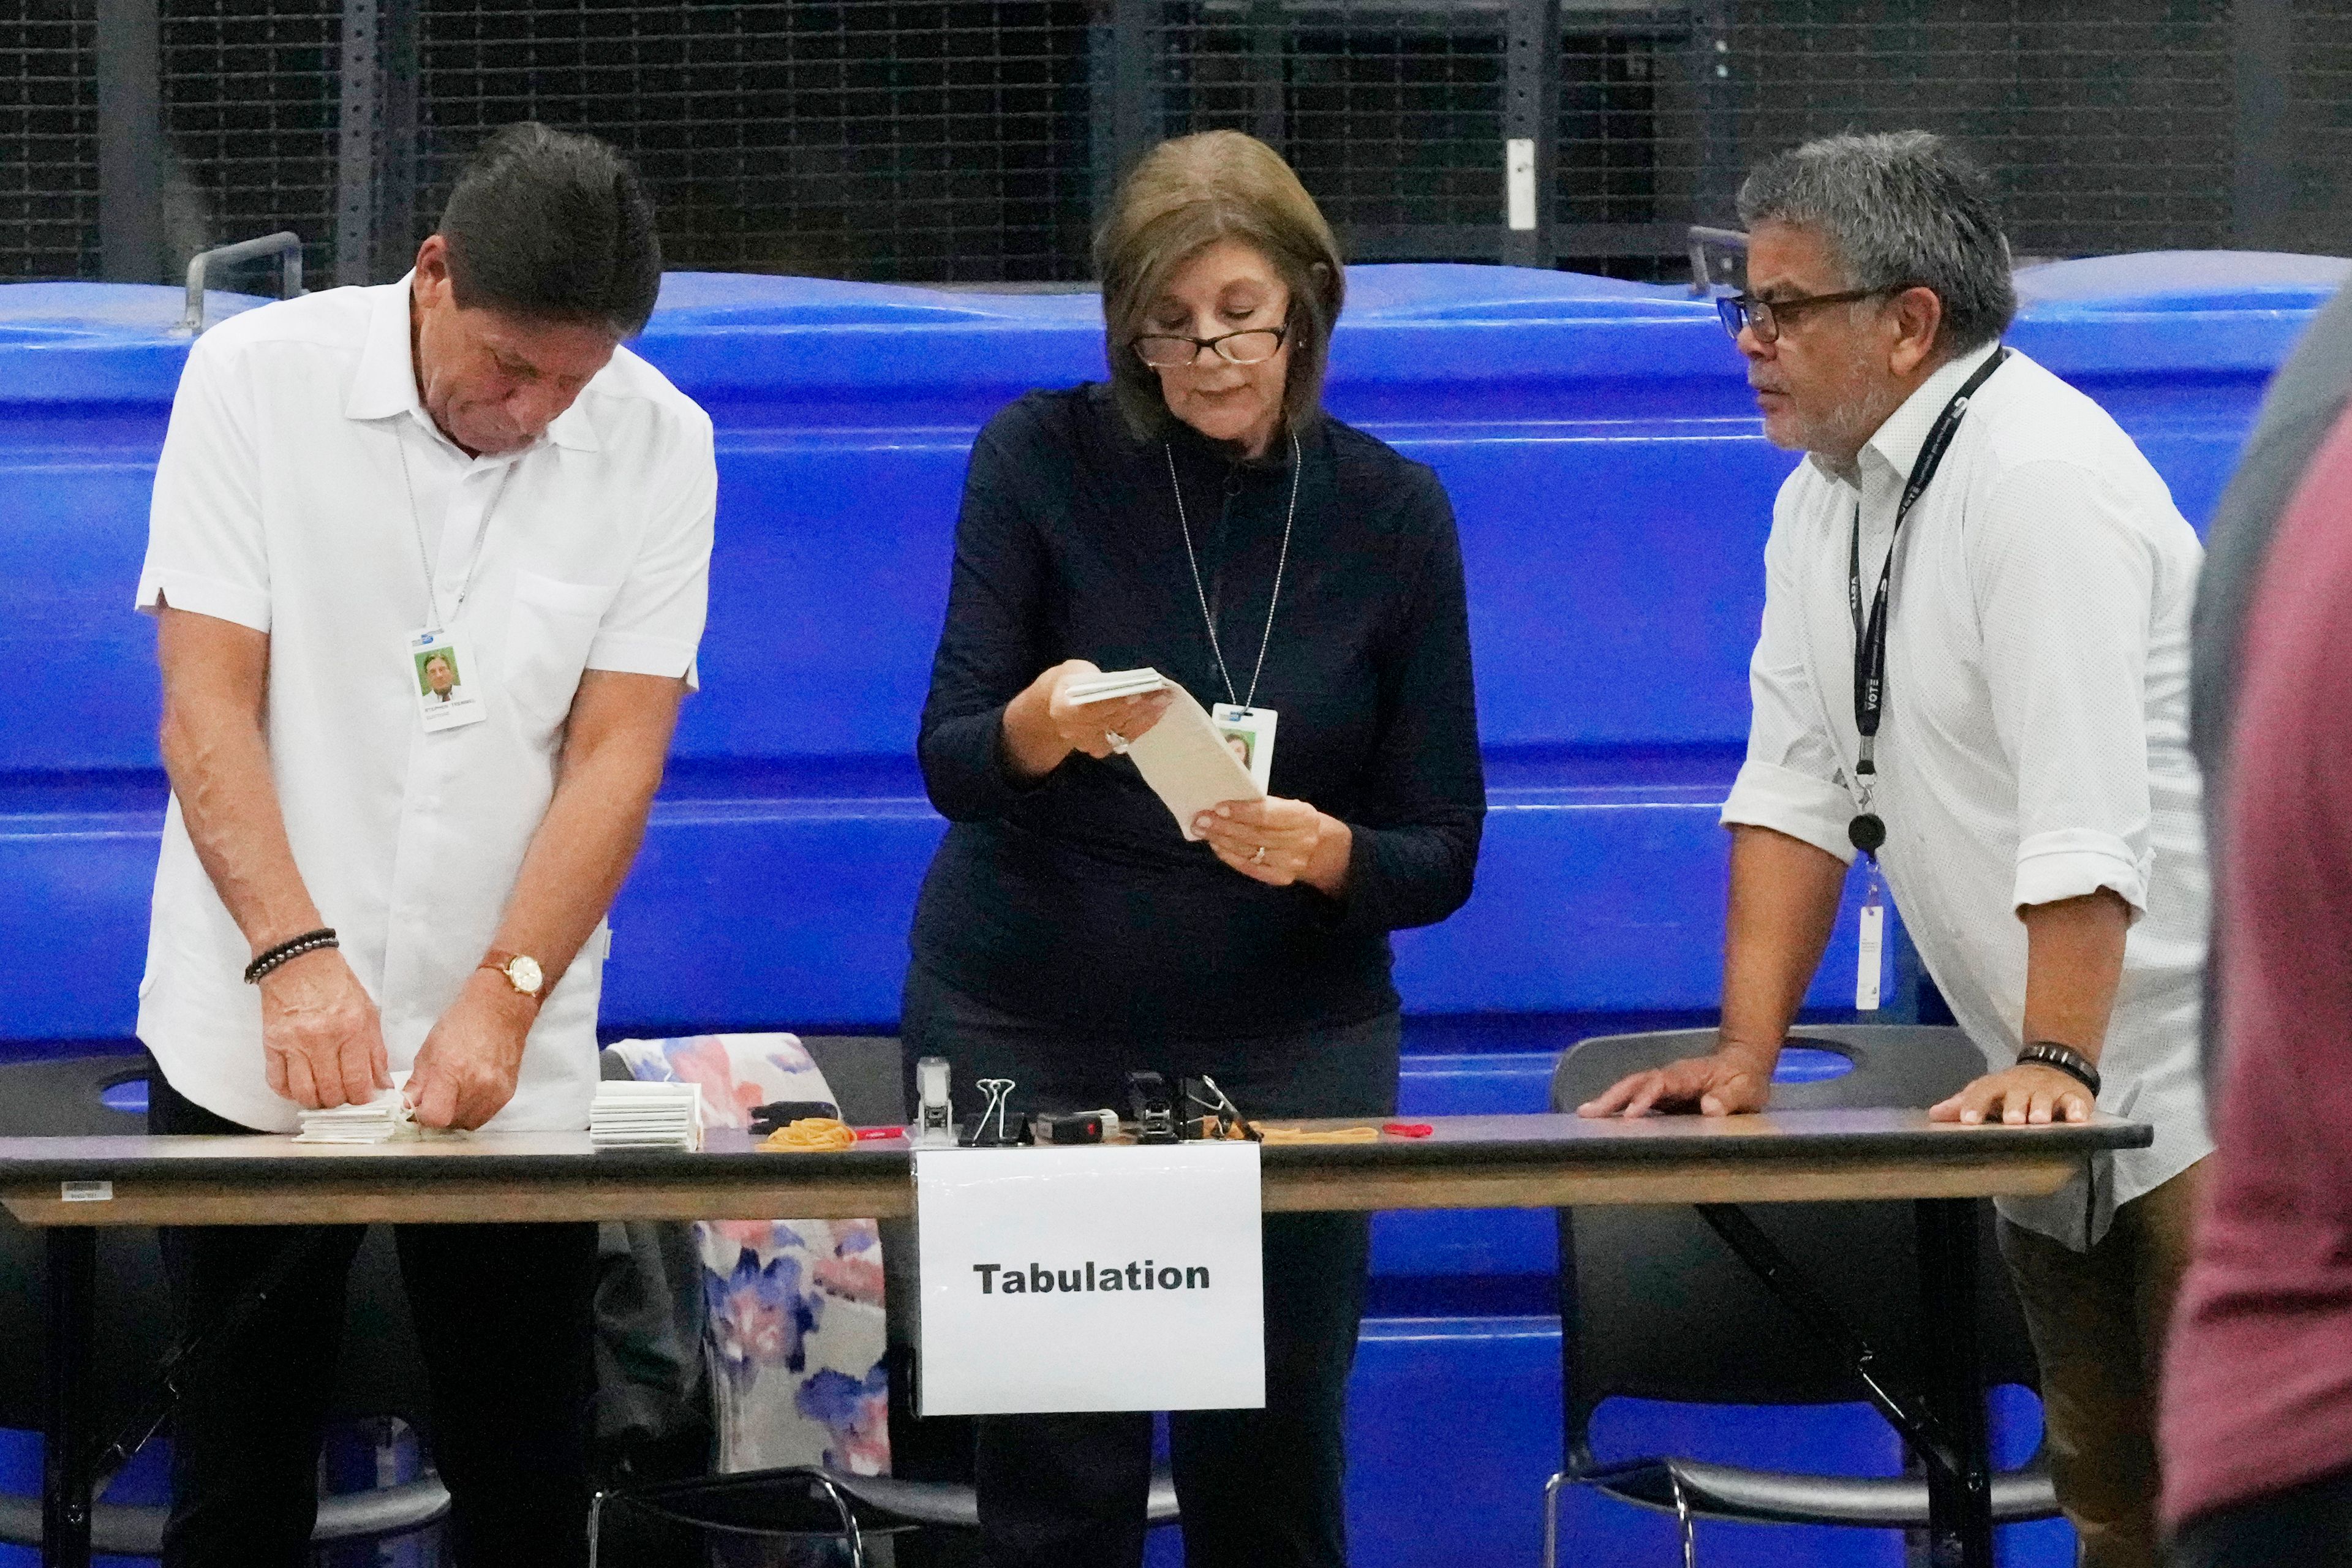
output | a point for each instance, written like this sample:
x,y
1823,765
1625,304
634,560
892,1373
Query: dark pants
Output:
x,y
502,1314
2099,1320
2309,1526
1259,1488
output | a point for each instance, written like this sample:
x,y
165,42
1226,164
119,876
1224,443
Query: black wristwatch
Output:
x,y
2066,1060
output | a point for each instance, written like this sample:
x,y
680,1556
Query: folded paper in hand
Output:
x,y
1182,757
1102,688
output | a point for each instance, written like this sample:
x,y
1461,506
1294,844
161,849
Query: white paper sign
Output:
x,y
1112,1278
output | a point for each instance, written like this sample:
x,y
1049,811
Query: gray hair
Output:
x,y
1901,209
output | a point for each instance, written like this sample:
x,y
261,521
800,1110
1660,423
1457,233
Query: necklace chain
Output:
x,y
1266,639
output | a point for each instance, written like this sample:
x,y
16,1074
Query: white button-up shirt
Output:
x,y
280,504
2033,743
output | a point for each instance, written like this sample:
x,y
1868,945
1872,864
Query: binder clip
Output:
x,y
1155,1113
995,1127
1210,1112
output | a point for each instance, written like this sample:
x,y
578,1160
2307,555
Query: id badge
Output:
x,y
1870,952
439,670
1248,733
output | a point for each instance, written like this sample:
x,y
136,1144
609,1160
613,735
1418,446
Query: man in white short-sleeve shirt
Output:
x,y
2029,791
430,563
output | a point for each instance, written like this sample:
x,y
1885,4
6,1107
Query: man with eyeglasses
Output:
x,y
1973,671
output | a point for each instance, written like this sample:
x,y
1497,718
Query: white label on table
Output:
x,y
1519,182
86,1192
1115,1278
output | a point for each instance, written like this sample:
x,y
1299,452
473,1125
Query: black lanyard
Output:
x,y
1866,830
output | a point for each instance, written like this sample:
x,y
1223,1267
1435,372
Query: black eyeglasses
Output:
x,y
1765,317
1166,350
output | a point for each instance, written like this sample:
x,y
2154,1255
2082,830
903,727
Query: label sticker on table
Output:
x,y
1105,1278
86,1192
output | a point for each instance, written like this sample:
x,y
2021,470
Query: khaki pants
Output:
x,y
2098,1322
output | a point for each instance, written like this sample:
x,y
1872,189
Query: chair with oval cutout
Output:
x,y
1655,1306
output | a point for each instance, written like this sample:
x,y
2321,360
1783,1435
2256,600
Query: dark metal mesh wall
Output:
x,y
976,140
48,140
2319,115
2109,123
1393,118
854,137
249,114
1624,94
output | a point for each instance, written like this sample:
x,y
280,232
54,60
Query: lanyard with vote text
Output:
x,y
1247,729
1867,831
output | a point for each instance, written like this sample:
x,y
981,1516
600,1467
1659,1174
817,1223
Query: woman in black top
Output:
x,y
1199,514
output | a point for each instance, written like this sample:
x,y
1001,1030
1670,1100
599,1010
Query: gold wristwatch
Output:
x,y
519,970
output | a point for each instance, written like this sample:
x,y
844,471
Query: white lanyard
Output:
x,y
481,536
1266,639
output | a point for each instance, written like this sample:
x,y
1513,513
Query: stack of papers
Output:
x,y
1114,683
380,1121
630,1115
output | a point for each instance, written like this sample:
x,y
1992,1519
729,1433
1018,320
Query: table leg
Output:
x,y
1959,1509
65,1412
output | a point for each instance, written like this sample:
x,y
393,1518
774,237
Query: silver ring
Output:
x,y
1259,858
1118,742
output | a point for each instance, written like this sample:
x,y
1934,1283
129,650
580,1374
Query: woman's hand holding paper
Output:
x,y
1279,842
1041,725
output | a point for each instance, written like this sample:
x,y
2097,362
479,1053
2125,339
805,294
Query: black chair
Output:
x,y
1655,1305
382,1375
690,1521
708,1521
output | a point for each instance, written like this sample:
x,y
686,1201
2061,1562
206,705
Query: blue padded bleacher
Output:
x,y
1613,491
1596,435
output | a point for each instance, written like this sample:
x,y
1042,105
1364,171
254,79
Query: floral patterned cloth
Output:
x,y
793,1327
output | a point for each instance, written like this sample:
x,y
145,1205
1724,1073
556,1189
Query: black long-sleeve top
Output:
x,y
1074,900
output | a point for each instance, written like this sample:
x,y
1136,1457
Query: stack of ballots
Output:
x,y
626,1114
379,1120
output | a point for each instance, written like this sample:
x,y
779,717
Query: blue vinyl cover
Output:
x,y
1613,491
1596,435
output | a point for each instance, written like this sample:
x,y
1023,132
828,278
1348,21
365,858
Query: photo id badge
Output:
x,y
1249,733
439,667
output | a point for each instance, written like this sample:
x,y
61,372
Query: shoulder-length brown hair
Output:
x,y
1184,196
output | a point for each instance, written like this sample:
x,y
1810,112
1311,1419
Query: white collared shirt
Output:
x,y
2033,743
280,505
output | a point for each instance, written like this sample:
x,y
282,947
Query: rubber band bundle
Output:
x,y
1319,1134
812,1133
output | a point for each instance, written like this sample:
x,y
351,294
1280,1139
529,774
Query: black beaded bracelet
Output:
x,y
2066,1060
289,950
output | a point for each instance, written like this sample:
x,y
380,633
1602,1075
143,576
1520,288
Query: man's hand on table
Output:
x,y
2026,1094
321,1039
466,1069
1733,1081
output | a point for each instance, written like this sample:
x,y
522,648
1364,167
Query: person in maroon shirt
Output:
x,y
2257,1418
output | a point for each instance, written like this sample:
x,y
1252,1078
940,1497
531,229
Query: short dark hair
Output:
x,y
1902,208
552,226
